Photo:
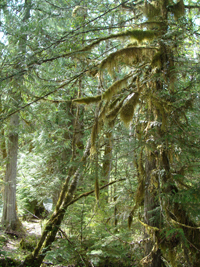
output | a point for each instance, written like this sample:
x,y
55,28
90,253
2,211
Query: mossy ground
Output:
x,y
14,246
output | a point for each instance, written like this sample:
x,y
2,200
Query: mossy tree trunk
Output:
x,y
69,187
152,213
107,161
177,212
158,176
52,227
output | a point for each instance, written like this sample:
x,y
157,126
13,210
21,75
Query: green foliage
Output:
x,y
8,262
97,246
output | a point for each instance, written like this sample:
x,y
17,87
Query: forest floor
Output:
x,y
12,243
15,246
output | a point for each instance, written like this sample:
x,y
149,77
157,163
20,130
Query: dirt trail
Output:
x,y
33,227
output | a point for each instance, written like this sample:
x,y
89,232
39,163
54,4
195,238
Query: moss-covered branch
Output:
x,y
107,95
138,35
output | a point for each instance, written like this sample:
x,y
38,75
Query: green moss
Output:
x,y
115,87
114,111
128,56
151,10
141,35
94,134
88,100
127,111
28,243
178,9
157,59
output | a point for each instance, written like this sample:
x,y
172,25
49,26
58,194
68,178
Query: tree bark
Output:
x,y
107,162
9,218
152,216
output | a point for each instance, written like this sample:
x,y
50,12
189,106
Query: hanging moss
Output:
x,y
95,130
161,110
139,198
138,35
127,111
140,164
130,218
107,95
151,10
115,101
98,126
128,56
115,87
141,35
88,100
114,112
157,60
178,9
103,112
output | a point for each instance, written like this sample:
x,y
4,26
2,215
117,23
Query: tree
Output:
x,y
154,76
10,219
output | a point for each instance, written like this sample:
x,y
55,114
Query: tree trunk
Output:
x,y
9,218
107,162
152,216
177,212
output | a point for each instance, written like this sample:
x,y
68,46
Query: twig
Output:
x,y
31,213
